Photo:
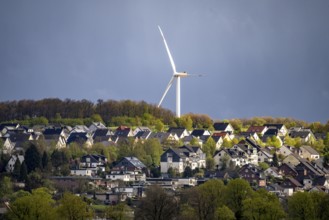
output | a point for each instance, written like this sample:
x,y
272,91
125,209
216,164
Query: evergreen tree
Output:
x,y
45,160
187,172
275,161
23,172
32,158
17,169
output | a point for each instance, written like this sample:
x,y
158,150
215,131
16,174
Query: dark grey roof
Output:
x,y
131,162
77,137
271,132
301,134
53,131
19,137
94,158
101,132
220,126
179,131
197,132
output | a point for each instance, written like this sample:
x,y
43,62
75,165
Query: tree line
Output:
x,y
53,108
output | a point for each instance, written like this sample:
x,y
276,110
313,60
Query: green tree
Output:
x,y
209,147
157,205
37,205
32,158
301,206
23,172
116,212
97,118
224,213
17,169
262,205
187,172
172,172
237,191
275,160
6,187
72,207
159,126
206,198
45,160
210,163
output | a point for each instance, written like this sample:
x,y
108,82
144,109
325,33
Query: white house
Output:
x,y
11,163
180,158
81,172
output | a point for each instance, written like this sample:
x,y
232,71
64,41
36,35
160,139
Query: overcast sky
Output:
x,y
261,58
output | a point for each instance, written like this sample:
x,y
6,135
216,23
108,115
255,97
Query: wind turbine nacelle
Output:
x,y
181,74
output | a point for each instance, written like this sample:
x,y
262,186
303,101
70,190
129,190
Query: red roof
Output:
x,y
257,129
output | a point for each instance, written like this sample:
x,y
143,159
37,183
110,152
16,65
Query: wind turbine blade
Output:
x,y
198,75
168,51
167,89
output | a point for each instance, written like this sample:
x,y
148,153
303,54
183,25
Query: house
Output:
x,y
165,137
264,155
276,189
102,134
20,140
228,156
306,136
8,146
224,127
293,159
11,163
287,169
188,139
143,135
128,169
218,140
251,135
5,127
253,174
96,125
81,172
200,132
257,129
180,132
273,171
291,185
81,138
307,152
249,152
79,129
180,158
94,162
285,150
282,130
141,129
55,136
124,131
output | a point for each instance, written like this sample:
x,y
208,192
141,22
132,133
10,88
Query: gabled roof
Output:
x,y
310,150
257,129
221,126
123,133
277,126
292,180
19,137
130,162
143,134
53,131
271,132
178,131
301,134
101,132
77,137
198,132
94,158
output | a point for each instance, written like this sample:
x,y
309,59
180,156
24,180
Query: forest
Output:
x,y
125,112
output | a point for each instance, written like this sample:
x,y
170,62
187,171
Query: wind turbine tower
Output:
x,y
176,75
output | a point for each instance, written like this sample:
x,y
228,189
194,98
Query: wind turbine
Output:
x,y
176,75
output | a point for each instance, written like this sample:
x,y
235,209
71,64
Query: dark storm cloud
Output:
x,y
262,58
